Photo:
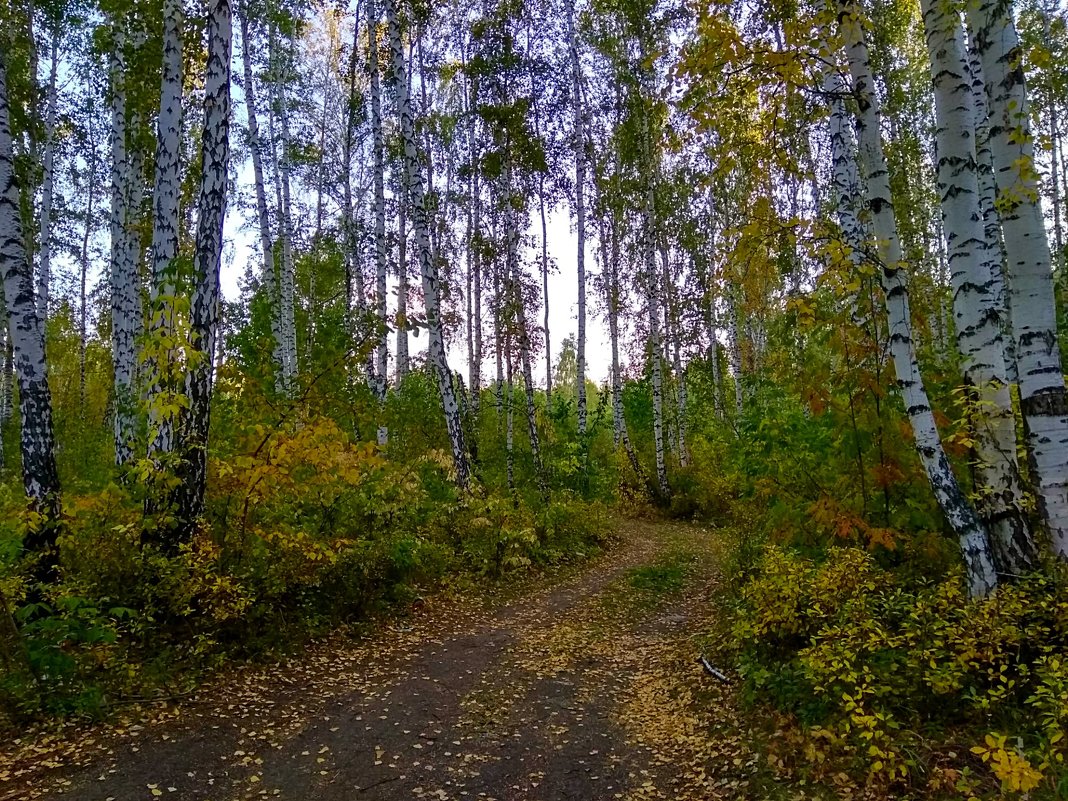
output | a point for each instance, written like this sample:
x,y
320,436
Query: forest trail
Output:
x,y
587,688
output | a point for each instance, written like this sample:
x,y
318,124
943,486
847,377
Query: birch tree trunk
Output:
x,y
125,290
975,545
972,265
652,290
474,253
1029,267
1053,119
165,192
509,425
280,147
378,155
403,361
610,256
431,289
734,344
44,270
523,333
580,209
672,330
263,219
83,258
355,288
207,258
26,335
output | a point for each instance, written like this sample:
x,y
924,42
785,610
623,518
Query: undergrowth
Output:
x,y
312,534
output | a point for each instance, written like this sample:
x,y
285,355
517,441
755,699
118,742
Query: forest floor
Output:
x,y
582,687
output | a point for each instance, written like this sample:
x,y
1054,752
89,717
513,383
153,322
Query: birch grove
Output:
x,y
684,256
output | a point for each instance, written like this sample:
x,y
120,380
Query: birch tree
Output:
x,y
580,208
207,257
972,266
37,439
414,199
1043,402
44,254
165,226
378,154
975,545
126,320
256,147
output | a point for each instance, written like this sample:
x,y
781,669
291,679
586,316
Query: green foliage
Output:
x,y
888,673
306,529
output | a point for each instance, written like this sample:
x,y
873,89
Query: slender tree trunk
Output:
x,y
125,290
991,216
974,542
522,331
1030,278
610,255
672,329
378,151
734,344
652,290
165,193
7,370
474,252
83,262
281,149
498,303
972,265
262,215
713,354
26,334
355,286
509,435
431,288
580,209
403,362
5,381
1053,117
207,258
44,270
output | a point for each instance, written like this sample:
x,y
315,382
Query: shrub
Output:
x,y
884,667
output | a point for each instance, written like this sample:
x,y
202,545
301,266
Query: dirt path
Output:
x,y
587,690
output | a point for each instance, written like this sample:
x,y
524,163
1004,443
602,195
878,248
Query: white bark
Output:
x,y
972,265
652,289
402,322
44,270
984,162
610,256
962,519
734,346
378,150
166,189
125,291
83,260
474,254
675,346
263,221
37,441
431,289
1029,266
519,305
207,261
580,208
281,150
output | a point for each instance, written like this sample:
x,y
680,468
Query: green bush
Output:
x,y
305,530
885,669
